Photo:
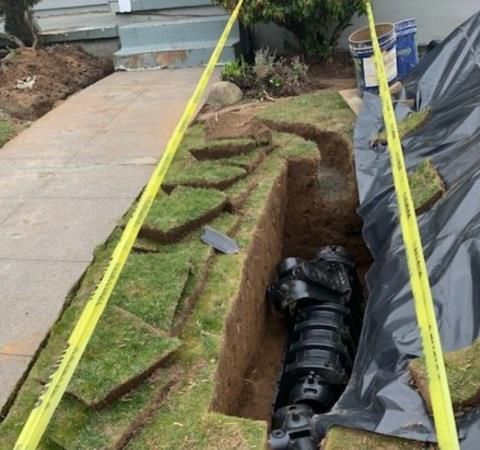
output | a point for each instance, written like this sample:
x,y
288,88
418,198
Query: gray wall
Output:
x,y
435,19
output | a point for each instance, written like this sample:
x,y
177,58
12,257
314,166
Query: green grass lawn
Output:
x,y
182,286
151,286
79,427
172,213
6,131
208,174
122,348
324,109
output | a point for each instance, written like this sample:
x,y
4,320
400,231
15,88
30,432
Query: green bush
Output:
x,y
19,19
268,75
317,24
238,72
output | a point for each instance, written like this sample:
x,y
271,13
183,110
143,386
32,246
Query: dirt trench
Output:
x,y
312,205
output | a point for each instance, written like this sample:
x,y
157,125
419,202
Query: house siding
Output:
x,y
435,20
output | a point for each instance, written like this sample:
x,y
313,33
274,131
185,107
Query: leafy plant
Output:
x,y
264,66
237,72
268,75
317,24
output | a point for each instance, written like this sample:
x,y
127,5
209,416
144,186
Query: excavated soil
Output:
x,y
313,205
57,71
260,382
337,73
247,323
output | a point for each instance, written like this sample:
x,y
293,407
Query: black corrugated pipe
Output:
x,y
323,303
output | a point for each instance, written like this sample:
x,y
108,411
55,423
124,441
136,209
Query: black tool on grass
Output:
x,y
323,303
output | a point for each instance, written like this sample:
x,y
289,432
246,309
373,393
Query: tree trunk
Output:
x,y
19,20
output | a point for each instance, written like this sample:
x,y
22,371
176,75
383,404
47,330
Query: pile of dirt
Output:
x,y
33,80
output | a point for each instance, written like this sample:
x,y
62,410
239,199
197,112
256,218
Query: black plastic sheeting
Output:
x,y
380,396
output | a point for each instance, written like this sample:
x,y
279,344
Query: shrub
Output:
x,y
317,24
268,75
238,72
19,19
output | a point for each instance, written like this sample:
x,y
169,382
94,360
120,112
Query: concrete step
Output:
x,y
179,55
114,7
174,31
148,5
65,7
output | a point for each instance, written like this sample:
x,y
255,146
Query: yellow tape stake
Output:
x,y
438,385
46,405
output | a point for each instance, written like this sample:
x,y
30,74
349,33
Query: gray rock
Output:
x,y
224,94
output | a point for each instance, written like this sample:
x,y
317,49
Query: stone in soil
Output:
x,y
224,93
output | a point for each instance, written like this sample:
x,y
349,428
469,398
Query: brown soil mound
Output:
x,y
59,71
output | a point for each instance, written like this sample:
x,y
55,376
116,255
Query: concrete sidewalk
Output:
x,y
64,184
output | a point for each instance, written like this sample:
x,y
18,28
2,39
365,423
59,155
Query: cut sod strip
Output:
x,y
426,185
248,161
198,146
208,174
75,426
151,286
340,438
123,351
185,209
463,373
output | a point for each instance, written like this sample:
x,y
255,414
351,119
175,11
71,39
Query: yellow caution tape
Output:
x,y
432,348
48,401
